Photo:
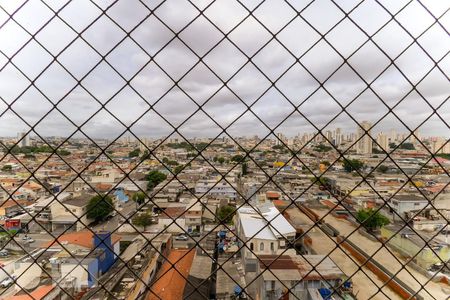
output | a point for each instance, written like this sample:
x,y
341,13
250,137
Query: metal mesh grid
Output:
x,y
100,54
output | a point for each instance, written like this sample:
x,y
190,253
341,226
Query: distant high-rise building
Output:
x,y
416,137
290,142
329,135
393,136
383,141
439,145
364,144
337,137
23,139
281,139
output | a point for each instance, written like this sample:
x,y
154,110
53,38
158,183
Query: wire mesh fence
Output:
x,y
224,149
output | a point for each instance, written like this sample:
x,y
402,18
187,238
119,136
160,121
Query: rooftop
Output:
x,y
171,278
83,238
289,267
410,197
79,201
37,294
257,224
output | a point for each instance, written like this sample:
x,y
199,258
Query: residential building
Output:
x,y
193,216
406,203
383,141
173,219
23,139
8,208
295,272
70,214
76,260
337,137
254,230
217,188
364,144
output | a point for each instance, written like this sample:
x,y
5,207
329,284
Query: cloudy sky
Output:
x,y
168,58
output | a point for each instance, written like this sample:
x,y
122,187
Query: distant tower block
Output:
x,y
364,145
23,139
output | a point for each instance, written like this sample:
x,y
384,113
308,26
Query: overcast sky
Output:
x,y
149,66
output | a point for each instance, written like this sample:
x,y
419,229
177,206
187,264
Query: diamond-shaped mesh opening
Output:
x,y
224,149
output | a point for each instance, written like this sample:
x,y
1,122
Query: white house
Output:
x,y
264,231
402,204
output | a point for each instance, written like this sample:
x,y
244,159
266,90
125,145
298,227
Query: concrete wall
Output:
x,y
172,226
383,275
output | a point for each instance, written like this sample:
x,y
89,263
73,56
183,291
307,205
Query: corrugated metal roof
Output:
x,y
253,223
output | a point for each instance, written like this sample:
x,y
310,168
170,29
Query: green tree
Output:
x,y
277,147
154,178
371,219
226,213
351,165
64,152
31,149
99,207
443,155
237,158
244,168
178,169
173,163
325,163
377,151
407,146
134,153
322,148
323,181
6,168
143,220
138,197
383,168
145,155
169,162
221,160
201,146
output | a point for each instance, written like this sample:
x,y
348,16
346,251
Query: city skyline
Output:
x,y
374,134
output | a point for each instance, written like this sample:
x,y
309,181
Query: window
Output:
x,y
270,285
241,123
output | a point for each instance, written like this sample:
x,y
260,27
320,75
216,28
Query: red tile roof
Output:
x,y
37,294
170,283
272,195
173,212
83,238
